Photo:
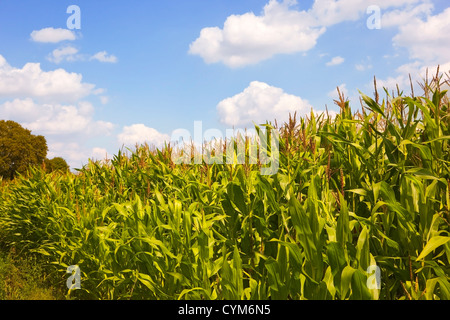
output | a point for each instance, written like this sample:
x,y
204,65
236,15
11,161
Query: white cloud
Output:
x,y
49,86
55,119
424,36
331,12
50,103
280,29
248,38
259,103
104,57
52,35
99,154
407,15
427,40
66,53
75,154
335,61
72,54
417,70
140,134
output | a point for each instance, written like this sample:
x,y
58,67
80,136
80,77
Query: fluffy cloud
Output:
x,y
330,12
72,54
76,155
418,71
248,39
426,39
52,35
335,61
280,29
140,134
104,57
49,86
99,154
407,15
423,35
51,103
66,53
55,119
259,103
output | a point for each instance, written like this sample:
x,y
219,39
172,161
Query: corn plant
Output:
x,y
352,192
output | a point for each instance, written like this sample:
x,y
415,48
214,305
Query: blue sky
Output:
x,y
137,71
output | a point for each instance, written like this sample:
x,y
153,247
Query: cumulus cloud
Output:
x,y
426,40
52,35
424,37
55,119
331,12
140,134
31,81
248,38
104,57
418,71
404,16
259,103
335,61
71,54
51,103
280,29
75,154
99,154
66,53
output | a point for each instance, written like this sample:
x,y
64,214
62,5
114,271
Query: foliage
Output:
x,y
19,149
25,279
56,164
354,191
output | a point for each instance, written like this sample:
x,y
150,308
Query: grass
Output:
x,y
353,192
25,279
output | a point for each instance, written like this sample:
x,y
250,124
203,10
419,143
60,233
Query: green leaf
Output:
x,y
362,249
343,230
372,104
346,279
431,287
432,245
237,197
359,286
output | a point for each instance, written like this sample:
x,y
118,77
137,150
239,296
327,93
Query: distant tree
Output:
x,y
56,164
19,149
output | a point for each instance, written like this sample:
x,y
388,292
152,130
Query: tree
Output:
x,y
19,149
56,164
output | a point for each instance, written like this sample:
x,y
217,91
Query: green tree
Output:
x,y
56,164
19,149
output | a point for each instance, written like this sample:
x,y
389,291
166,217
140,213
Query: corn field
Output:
x,y
353,192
